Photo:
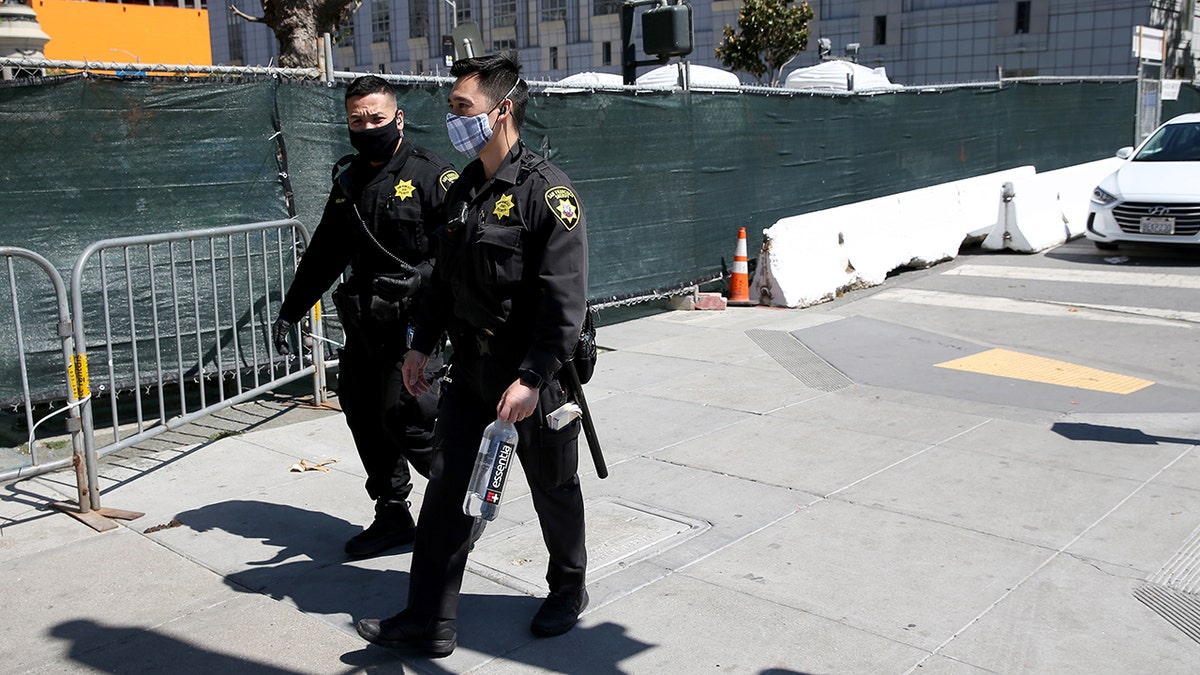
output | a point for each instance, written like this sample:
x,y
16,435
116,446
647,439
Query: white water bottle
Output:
x,y
497,450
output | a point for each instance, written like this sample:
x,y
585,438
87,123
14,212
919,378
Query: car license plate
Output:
x,y
1158,226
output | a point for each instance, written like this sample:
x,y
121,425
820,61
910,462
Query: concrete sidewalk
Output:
x,y
791,491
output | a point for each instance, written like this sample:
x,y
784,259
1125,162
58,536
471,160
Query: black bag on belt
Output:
x,y
584,355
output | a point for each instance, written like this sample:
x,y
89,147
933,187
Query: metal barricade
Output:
x,y
40,461
184,322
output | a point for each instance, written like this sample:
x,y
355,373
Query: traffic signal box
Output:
x,y
667,30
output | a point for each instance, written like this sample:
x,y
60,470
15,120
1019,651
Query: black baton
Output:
x,y
589,430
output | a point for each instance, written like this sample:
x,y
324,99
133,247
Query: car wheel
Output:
x,y
1106,245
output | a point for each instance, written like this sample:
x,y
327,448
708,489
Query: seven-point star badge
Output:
x,y
503,206
404,189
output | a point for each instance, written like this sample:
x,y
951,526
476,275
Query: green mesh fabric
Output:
x,y
665,180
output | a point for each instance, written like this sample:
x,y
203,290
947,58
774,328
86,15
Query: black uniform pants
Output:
x,y
391,428
549,459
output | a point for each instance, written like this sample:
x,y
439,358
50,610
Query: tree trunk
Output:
x,y
297,36
298,23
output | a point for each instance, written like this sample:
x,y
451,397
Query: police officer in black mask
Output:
x,y
380,217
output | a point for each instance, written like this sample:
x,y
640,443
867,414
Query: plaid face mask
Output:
x,y
469,134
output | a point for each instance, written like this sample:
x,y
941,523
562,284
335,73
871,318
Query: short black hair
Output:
x,y
367,85
498,75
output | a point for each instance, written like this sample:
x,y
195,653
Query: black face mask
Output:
x,y
378,144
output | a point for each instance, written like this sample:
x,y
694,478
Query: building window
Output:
x,y
504,13
501,45
602,7
881,30
1023,17
554,58
554,10
237,49
837,9
381,21
606,53
418,19
462,11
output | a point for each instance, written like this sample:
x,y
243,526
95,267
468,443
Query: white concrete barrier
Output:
x,y
810,258
1075,185
1047,209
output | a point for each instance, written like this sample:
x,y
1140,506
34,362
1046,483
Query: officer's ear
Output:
x,y
400,120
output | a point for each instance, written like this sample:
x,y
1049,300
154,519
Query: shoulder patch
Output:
x,y
564,205
447,178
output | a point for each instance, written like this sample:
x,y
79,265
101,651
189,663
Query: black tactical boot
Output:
x,y
559,613
412,632
393,527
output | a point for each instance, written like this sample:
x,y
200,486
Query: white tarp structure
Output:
x,y
835,75
590,80
699,77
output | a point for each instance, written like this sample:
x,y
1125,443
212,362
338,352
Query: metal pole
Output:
x,y
629,62
327,43
628,46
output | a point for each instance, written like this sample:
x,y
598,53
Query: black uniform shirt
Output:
x,y
512,262
401,204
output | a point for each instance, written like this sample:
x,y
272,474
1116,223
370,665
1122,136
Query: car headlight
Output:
x,y
1102,198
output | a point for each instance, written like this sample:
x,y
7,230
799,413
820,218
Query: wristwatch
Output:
x,y
530,379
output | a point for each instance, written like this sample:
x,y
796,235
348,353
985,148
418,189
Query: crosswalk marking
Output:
x,y
1018,366
1111,276
1110,313
1170,314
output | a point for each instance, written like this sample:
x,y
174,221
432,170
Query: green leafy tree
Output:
x,y
771,33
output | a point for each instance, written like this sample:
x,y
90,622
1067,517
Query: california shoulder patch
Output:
x,y
564,204
447,178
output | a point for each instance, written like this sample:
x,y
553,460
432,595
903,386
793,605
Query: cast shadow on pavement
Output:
x,y
309,568
1082,431
1129,254
129,649
585,650
132,649
302,557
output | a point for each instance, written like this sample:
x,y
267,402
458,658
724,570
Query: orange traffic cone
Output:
x,y
739,282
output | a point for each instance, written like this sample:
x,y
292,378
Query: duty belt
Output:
x,y
481,338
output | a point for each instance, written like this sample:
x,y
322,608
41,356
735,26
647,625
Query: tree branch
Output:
x,y
776,81
247,17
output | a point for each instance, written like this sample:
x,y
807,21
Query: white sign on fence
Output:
x,y
1148,43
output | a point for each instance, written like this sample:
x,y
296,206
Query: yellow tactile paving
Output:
x,y
1004,363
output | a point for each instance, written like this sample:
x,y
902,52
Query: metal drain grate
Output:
x,y
1172,591
1182,571
812,370
1180,609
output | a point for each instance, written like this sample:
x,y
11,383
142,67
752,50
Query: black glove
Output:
x,y
396,287
279,336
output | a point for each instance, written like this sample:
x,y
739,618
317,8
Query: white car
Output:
x,y
1155,195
